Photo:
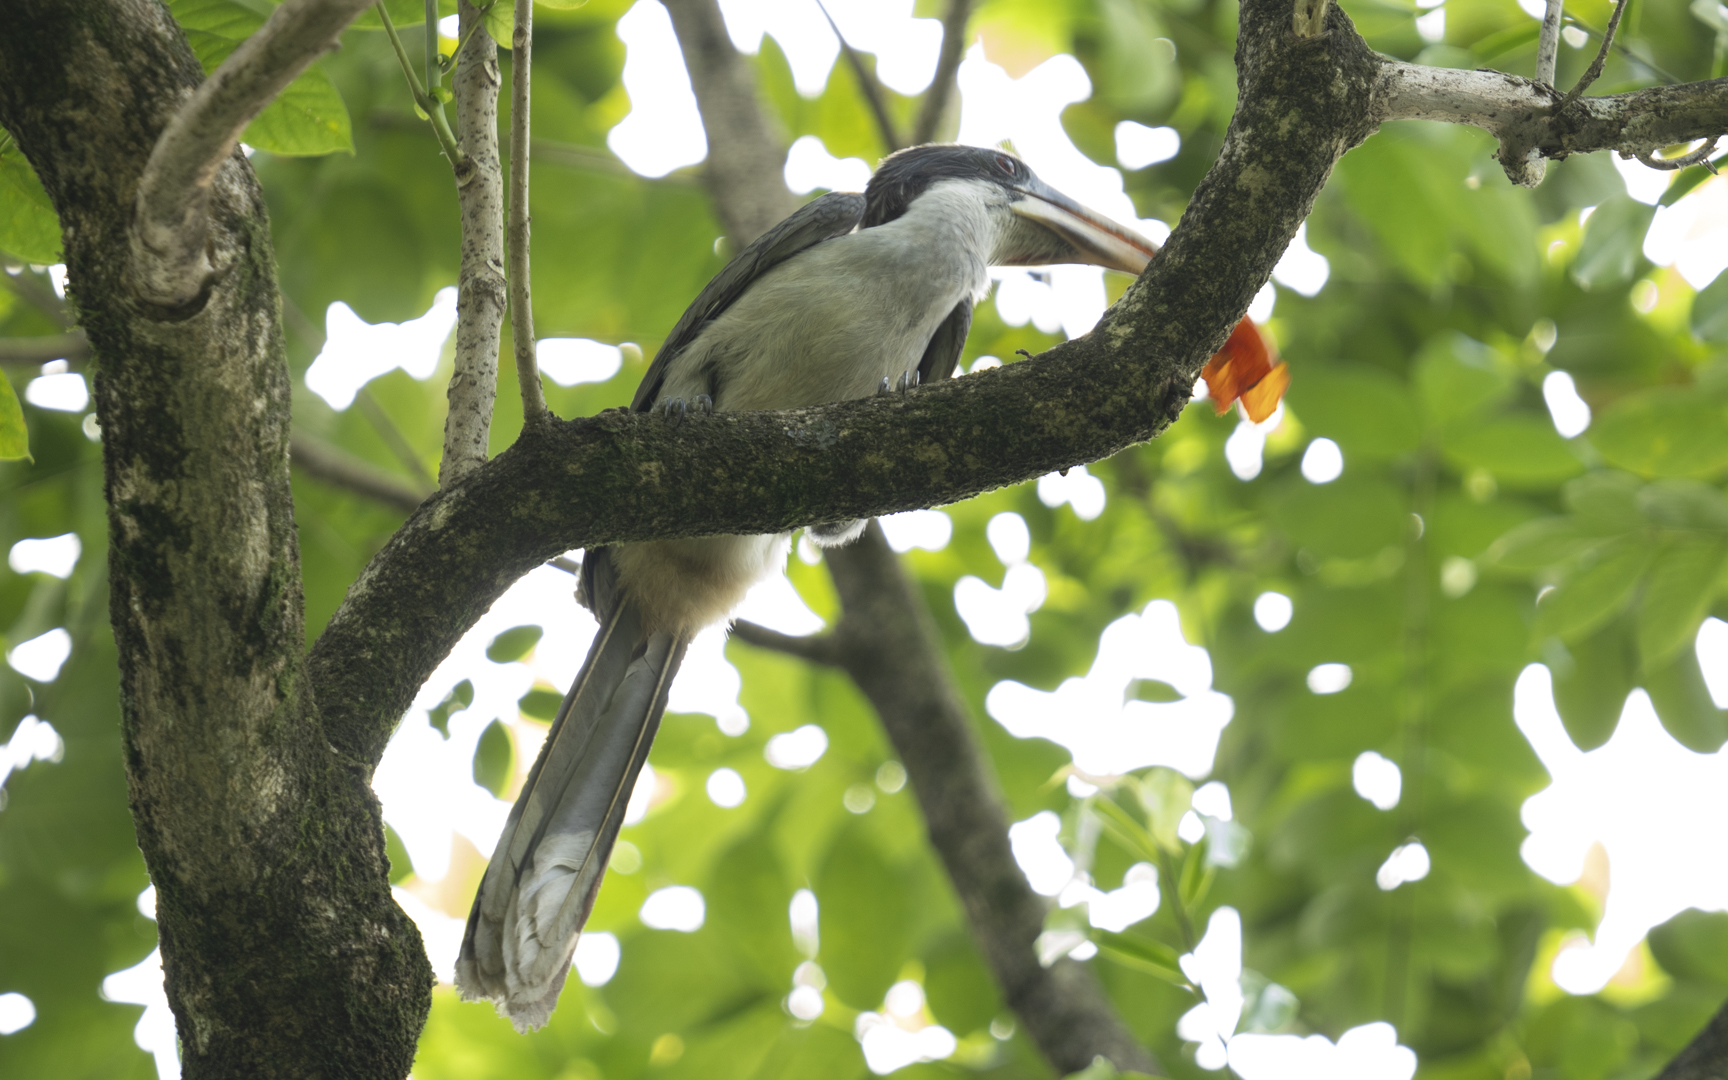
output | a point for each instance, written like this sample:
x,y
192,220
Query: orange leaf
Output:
x,y
1243,369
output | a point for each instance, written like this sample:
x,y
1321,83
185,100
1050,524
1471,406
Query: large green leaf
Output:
x,y
1665,431
29,227
866,920
14,436
1590,596
1521,450
1681,587
1613,243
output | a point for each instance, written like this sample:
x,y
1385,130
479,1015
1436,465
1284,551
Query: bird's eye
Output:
x,y
1005,164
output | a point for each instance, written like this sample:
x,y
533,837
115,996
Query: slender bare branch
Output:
x,y
935,106
890,646
521,288
480,280
393,437
71,347
1548,43
745,172
170,251
817,649
321,461
423,96
1594,71
30,288
868,86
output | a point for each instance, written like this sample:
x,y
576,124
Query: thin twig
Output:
x,y
521,290
30,288
480,279
941,91
1659,72
320,460
392,436
1548,44
434,71
1700,156
423,97
170,226
71,347
819,649
1594,71
867,84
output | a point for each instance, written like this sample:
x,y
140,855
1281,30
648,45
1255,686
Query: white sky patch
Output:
x,y
906,48
1138,146
42,656
568,361
1108,735
34,739
141,984
1260,308
1407,863
1432,26
1322,462
53,555
1213,799
1302,268
1039,852
1713,658
1329,678
597,956
1643,183
1368,1052
809,166
1693,233
1118,909
1570,412
1079,489
799,748
927,529
1377,779
17,1012
356,352
888,1046
1216,966
1273,611
663,130
676,907
1245,449
803,913
999,616
64,392
442,933
1636,795
725,788
1009,537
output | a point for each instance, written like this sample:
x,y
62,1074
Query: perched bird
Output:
x,y
848,296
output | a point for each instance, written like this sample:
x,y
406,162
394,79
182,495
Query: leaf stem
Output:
x,y
431,106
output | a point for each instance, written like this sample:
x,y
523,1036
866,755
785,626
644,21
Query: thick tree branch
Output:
x,y
1706,1056
934,109
1548,43
521,287
1533,122
321,461
71,347
818,649
888,644
171,264
480,301
745,172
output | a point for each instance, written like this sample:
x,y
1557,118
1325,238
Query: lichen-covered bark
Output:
x,y
284,953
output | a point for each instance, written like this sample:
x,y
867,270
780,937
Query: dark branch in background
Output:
x,y
746,166
887,642
521,290
1594,71
1705,1057
72,347
170,229
480,298
321,461
935,105
393,437
27,287
868,86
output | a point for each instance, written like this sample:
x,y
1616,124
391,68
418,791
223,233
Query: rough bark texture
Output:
x,y
480,280
284,953
746,159
887,642
1706,1057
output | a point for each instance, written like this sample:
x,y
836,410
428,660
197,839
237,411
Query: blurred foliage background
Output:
x,y
1480,523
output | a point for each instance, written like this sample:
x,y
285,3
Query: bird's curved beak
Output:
x,y
1088,236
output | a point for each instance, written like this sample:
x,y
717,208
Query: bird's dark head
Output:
x,y
1040,225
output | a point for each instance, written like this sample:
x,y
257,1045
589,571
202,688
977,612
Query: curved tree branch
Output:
x,y
1706,1056
171,264
321,461
934,108
71,347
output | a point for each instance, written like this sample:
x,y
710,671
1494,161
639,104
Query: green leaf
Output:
x,y
1369,413
513,644
29,227
1539,544
401,866
1589,597
500,20
1684,705
1165,795
307,119
1710,311
1151,690
1524,451
493,759
1604,502
14,435
1677,596
1683,504
1458,378
541,704
1613,243
753,882
1591,680
560,5
867,919
1665,431
460,697
1693,945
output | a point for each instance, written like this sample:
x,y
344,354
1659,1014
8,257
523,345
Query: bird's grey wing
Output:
x,y
942,355
834,214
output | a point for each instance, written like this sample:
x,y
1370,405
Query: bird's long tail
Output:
x,y
541,883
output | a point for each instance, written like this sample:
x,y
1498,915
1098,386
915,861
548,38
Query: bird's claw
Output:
x,y
908,380
704,404
882,387
674,410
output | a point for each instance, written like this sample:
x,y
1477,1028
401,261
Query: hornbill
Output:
x,y
851,294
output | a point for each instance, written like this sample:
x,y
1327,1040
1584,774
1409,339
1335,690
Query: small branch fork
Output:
x,y
171,250
935,106
521,301
868,85
1594,71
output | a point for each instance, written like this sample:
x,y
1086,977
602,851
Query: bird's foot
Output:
x,y
883,387
704,404
908,380
674,409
